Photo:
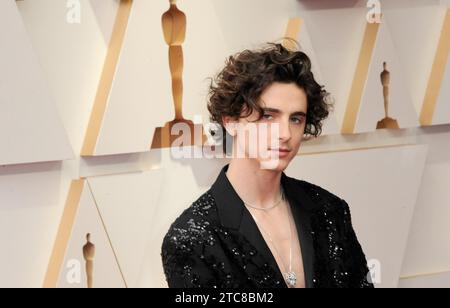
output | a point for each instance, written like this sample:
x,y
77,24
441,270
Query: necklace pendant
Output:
x,y
291,279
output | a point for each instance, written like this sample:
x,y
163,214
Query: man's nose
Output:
x,y
284,130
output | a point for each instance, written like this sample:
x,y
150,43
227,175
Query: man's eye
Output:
x,y
297,120
267,117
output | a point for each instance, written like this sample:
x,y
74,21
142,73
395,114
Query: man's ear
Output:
x,y
230,124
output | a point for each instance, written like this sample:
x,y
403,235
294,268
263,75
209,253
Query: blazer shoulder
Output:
x,y
328,202
320,196
316,190
193,227
185,245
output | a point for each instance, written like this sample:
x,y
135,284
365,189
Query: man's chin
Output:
x,y
274,164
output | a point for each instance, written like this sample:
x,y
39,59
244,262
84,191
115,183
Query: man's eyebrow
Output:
x,y
274,110
299,113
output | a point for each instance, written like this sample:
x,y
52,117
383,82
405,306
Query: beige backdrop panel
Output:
x,y
71,55
427,281
442,114
416,32
337,36
30,126
127,204
401,106
106,272
140,98
302,35
30,209
428,249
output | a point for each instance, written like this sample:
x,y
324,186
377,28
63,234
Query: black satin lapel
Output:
x,y
233,215
302,223
302,206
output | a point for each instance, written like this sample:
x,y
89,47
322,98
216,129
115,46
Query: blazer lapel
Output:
x,y
251,232
302,208
234,215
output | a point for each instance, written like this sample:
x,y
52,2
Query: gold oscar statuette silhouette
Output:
x,y
387,122
89,255
174,24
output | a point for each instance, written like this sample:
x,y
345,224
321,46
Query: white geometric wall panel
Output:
x,y
72,55
428,249
141,97
336,37
441,280
127,204
401,106
381,188
300,33
105,13
30,127
416,32
205,52
241,28
106,269
29,214
442,113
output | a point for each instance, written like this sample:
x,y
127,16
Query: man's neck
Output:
x,y
254,185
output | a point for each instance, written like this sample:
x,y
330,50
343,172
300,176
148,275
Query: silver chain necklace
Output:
x,y
290,276
267,208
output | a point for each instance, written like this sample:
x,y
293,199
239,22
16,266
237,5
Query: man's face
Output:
x,y
279,132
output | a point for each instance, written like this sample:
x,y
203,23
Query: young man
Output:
x,y
256,227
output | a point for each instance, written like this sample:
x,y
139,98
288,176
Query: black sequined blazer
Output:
x,y
216,243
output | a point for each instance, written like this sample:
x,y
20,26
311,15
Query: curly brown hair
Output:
x,y
237,89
